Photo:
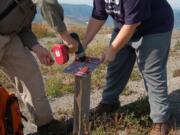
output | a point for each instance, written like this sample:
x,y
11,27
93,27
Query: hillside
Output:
x,y
74,13
177,18
79,14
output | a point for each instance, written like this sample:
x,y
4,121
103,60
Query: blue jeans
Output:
x,y
151,54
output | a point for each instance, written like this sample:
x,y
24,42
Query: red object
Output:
x,y
60,52
84,69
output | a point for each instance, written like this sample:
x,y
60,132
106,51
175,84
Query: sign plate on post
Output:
x,y
82,72
82,69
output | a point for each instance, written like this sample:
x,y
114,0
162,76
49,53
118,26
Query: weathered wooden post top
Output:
x,y
82,72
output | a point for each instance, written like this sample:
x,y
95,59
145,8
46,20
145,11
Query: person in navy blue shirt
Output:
x,y
150,23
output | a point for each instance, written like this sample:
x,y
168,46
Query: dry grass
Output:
x,y
176,73
106,30
81,30
175,50
78,29
177,45
42,30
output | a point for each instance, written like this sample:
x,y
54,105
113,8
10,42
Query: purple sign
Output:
x,y
83,69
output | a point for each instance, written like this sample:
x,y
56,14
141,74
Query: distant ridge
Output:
x,y
177,18
73,13
80,14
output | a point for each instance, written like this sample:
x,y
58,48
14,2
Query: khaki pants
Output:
x,y
20,66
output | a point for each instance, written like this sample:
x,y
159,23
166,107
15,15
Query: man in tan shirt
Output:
x,y
16,43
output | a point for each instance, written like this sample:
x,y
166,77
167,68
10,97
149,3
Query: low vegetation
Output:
x,y
42,30
132,119
135,75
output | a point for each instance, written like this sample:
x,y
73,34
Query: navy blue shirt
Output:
x,y
156,16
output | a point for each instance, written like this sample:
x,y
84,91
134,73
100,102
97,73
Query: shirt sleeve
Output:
x,y
28,37
99,11
136,10
53,13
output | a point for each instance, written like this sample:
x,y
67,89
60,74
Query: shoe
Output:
x,y
160,129
56,127
104,108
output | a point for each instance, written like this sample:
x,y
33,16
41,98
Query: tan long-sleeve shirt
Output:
x,y
53,13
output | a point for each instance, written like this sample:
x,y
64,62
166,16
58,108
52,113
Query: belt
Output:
x,y
9,9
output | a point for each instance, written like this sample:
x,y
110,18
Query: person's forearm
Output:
x,y
124,36
69,41
28,37
53,14
93,27
67,38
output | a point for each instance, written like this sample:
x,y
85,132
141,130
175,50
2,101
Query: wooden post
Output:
x,y
81,105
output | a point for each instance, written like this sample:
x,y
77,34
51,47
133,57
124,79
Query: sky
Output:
x,y
88,2
174,3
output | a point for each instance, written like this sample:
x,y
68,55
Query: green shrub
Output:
x,y
135,75
42,30
53,87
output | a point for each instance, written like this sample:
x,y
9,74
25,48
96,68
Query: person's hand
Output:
x,y
43,55
71,43
109,55
72,48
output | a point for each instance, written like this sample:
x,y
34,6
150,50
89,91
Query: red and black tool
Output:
x,y
60,51
80,54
